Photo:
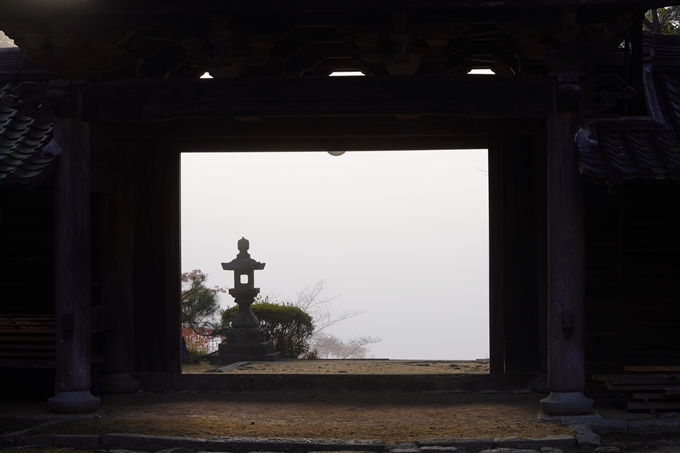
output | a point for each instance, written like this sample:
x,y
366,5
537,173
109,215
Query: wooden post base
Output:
x,y
73,402
566,403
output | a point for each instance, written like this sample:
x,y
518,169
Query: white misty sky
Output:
x,y
401,235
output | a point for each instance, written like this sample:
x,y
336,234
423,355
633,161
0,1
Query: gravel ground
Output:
x,y
349,366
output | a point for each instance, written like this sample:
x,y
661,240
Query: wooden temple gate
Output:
x,y
124,96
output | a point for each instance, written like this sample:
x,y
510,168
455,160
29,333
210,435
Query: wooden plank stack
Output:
x,y
27,341
647,387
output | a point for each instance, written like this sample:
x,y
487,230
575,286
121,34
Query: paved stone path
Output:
x,y
586,436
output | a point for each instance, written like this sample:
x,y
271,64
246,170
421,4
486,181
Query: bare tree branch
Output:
x,y
315,304
319,308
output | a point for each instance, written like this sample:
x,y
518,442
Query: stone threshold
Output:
x,y
336,383
587,430
119,443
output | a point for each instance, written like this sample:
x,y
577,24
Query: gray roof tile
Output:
x,y
22,140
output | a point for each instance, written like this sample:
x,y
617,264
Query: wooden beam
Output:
x,y
331,133
26,363
169,99
335,144
33,7
318,127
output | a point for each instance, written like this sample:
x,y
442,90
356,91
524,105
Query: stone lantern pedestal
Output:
x,y
245,340
245,345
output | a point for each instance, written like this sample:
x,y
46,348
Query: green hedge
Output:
x,y
289,327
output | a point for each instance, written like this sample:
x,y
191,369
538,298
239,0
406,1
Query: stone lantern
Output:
x,y
244,340
244,290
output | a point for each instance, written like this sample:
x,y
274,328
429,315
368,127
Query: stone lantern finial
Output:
x,y
243,246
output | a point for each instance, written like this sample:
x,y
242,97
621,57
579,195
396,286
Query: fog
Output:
x,y
401,236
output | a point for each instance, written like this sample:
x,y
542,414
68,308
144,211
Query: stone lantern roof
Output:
x,y
243,261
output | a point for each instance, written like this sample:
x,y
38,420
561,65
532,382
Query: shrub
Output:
x,y
289,327
197,345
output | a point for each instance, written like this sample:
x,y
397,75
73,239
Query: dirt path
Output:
x,y
391,418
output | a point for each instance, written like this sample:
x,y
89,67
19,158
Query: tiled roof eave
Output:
x,y
626,153
642,148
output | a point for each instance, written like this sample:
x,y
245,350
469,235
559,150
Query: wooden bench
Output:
x,y
27,341
647,387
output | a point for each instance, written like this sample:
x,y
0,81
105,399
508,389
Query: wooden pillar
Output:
x,y
521,306
513,287
171,196
157,260
72,270
117,245
496,160
542,250
566,270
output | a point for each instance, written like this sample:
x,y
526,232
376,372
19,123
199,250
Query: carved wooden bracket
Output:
x,y
601,92
568,91
382,42
29,99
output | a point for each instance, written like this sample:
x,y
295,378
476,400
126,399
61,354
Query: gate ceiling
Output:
x,y
270,60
